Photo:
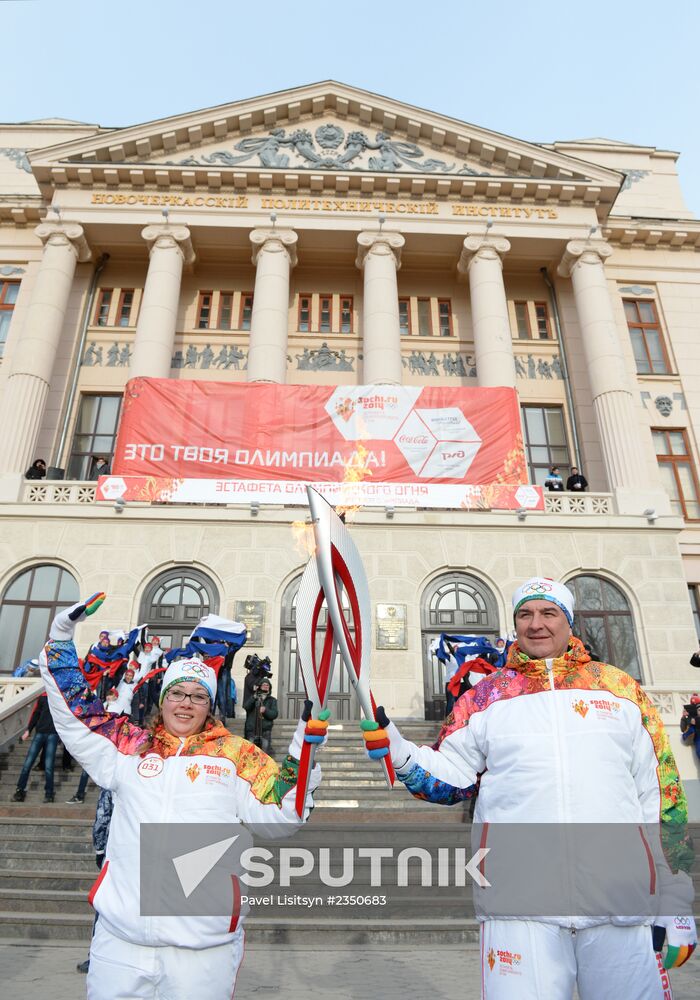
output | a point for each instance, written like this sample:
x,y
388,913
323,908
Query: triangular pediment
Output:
x,y
322,128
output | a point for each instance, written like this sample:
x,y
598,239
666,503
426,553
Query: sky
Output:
x,y
538,70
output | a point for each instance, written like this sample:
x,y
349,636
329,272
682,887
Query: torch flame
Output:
x,y
304,540
356,470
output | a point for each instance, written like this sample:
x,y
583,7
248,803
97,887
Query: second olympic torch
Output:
x,y
334,568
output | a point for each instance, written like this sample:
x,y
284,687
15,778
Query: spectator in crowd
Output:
x,y
45,736
178,956
260,714
690,724
233,699
554,483
100,467
549,692
37,470
576,483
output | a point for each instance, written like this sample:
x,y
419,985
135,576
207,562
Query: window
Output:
x,y
425,324
695,605
246,314
126,301
174,602
545,441
445,317
522,320
104,300
346,314
405,317
94,435
324,313
29,605
204,310
677,472
8,297
225,310
452,603
542,317
603,620
304,321
647,341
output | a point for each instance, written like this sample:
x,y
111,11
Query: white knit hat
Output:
x,y
193,670
541,588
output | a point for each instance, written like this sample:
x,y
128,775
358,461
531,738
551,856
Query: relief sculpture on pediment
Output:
x,y
329,148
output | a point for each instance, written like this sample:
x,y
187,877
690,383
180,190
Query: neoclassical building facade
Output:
x,y
326,235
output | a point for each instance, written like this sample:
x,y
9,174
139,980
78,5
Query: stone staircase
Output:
x,y
47,864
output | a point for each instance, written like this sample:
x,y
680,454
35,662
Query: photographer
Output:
x,y
260,713
690,724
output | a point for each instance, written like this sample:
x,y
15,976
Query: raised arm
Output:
x,y
93,736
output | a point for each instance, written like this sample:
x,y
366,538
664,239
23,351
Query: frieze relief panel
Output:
x,y
458,365
115,355
222,356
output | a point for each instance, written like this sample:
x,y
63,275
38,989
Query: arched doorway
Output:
x,y
29,605
454,603
342,702
603,619
174,602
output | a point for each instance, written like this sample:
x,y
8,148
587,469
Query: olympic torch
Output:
x,y
335,566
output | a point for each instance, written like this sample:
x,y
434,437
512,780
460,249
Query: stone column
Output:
x,y
34,354
274,255
493,345
379,257
170,247
613,402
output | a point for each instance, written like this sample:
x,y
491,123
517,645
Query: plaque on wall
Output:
x,y
252,615
391,626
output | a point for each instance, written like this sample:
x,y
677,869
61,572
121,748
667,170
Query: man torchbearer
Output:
x,y
549,754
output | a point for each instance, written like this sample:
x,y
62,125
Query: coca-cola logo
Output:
x,y
414,439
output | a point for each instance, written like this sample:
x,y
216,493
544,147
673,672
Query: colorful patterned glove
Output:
x,y
316,729
63,625
309,730
90,606
375,735
680,935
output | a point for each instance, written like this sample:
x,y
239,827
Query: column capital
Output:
x,y
380,244
583,252
483,248
167,237
274,241
67,234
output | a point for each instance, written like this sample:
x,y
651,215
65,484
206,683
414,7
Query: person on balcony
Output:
x,y
576,483
37,470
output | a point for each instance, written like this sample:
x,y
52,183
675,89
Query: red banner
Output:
x,y
222,443
291,433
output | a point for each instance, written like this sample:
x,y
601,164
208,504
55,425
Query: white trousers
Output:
x,y
531,960
120,970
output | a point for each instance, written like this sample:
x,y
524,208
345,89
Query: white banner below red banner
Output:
x,y
366,493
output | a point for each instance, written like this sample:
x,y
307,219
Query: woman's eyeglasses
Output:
x,y
195,699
